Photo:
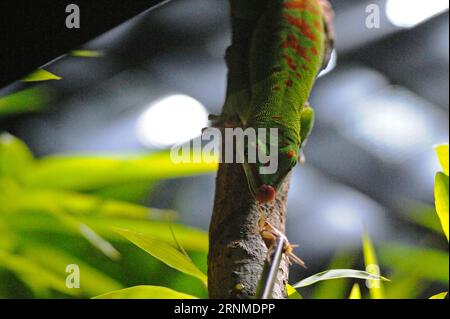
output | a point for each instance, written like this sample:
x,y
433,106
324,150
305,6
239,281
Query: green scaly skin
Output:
x,y
279,47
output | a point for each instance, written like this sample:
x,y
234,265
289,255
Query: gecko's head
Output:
x,y
265,184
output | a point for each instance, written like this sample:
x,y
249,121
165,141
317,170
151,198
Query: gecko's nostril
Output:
x,y
265,194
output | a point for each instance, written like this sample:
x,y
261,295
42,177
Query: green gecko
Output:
x,y
279,47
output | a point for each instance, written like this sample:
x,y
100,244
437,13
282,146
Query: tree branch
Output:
x,y
237,251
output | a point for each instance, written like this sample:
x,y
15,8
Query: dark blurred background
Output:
x,y
381,106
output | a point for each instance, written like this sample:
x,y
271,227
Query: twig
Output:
x,y
270,271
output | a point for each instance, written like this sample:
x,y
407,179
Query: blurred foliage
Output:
x,y
28,100
41,75
356,292
441,188
370,260
55,212
85,210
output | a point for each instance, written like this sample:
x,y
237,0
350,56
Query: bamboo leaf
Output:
x,y
91,173
336,289
20,201
338,274
443,156
41,75
92,281
442,295
87,53
78,204
370,259
29,100
441,194
34,274
423,263
192,239
15,157
292,292
165,253
145,292
356,292
405,285
423,215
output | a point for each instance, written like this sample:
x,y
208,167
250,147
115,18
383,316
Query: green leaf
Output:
x,y
29,100
356,292
405,286
336,289
423,263
91,173
41,75
145,292
443,156
370,259
34,274
81,205
20,200
442,295
15,157
192,239
87,53
442,196
338,274
165,253
423,215
292,292
92,281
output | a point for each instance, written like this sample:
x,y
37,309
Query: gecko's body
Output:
x,y
279,47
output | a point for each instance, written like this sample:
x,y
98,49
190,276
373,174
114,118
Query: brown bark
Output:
x,y
237,251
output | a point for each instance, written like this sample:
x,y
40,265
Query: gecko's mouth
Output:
x,y
265,194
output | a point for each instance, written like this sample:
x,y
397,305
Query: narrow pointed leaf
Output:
x,y
145,292
338,274
29,100
443,155
292,293
166,253
370,259
91,173
441,193
41,75
87,53
356,292
442,295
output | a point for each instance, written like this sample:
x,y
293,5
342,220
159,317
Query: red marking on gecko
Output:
x,y
314,51
302,25
317,25
290,62
302,5
293,43
291,154
289,82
